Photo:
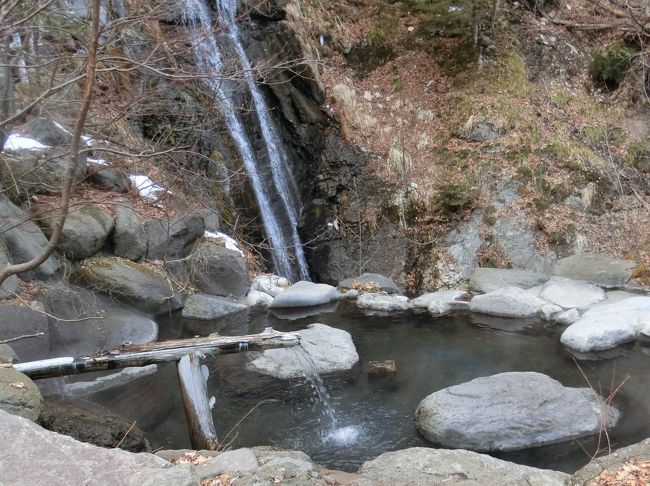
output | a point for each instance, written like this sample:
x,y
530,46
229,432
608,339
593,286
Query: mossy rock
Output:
x,y
19,395
130,282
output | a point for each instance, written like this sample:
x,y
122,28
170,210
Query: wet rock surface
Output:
x,y
206,307
507,302
305,294
510,411
381,283
382,303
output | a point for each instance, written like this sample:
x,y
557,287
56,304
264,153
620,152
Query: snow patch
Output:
x,y
61,127
231,244
97,161
16,143
146,187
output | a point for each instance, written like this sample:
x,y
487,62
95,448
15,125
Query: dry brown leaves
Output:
x,y
191,457
632,473
223,480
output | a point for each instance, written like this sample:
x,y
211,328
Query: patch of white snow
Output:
x,y
231,244
16,143
146,187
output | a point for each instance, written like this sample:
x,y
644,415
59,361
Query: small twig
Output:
x,y
24,336
125,434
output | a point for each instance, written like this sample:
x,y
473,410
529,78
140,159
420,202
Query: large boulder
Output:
x,y
207,307
617,461
373,281
109,178
83,323
305,294
608,325
18,320
329,348
213,269
171,239
597,269
129,237
486,280
442,302
19,395
443,467
569,294
511,411
91,423
48,132
33,450
130,282
84,232
507,302
24,240
382,303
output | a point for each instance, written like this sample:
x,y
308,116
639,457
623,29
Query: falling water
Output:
x,y
209,59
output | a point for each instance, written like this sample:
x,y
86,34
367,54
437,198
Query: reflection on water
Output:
x,y
375,414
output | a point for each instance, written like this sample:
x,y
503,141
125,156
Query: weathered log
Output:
x,y
194,390
159,352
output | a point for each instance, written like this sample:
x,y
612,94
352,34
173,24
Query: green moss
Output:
x,y
609,65
638,155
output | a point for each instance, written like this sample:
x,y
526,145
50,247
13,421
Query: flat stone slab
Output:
x,y
207,307
381,283
488,279
383,303
305,294
441,302
606,326
34,451
507,302
230,462
510,411
570,294
443,467
330,349
597,269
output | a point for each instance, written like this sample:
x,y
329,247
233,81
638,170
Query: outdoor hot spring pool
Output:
x,y
375,414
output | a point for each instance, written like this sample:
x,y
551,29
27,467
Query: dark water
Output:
x,y
376,414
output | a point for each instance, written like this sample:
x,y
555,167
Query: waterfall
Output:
x,y
281,229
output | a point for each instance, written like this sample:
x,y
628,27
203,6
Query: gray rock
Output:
x,y
9,287
229,462
213,269
382,303
130,282
173,239
83,323
19,395
464,243
180,475
442,467
67,461
567,317
48,132
480,132
614,296
94,424
441,302
570,294
256,298
519,244
206,307
25,240
486,280
17,320
351,294
331,350
129,236
607,326
270,284
7,355
549,311
507,302
109,178
84,232
383,284
639,452
510,411
283,465
597,269
305,294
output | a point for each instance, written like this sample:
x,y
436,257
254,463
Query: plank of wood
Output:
x,y
158,352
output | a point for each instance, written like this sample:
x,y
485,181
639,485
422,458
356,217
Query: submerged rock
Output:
x,y
374,281
67,461
305,294
597,269
442,302
507,302
129,282
19,395
383,303
442,467
329,348
608,325
570,294
488,279
511,411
